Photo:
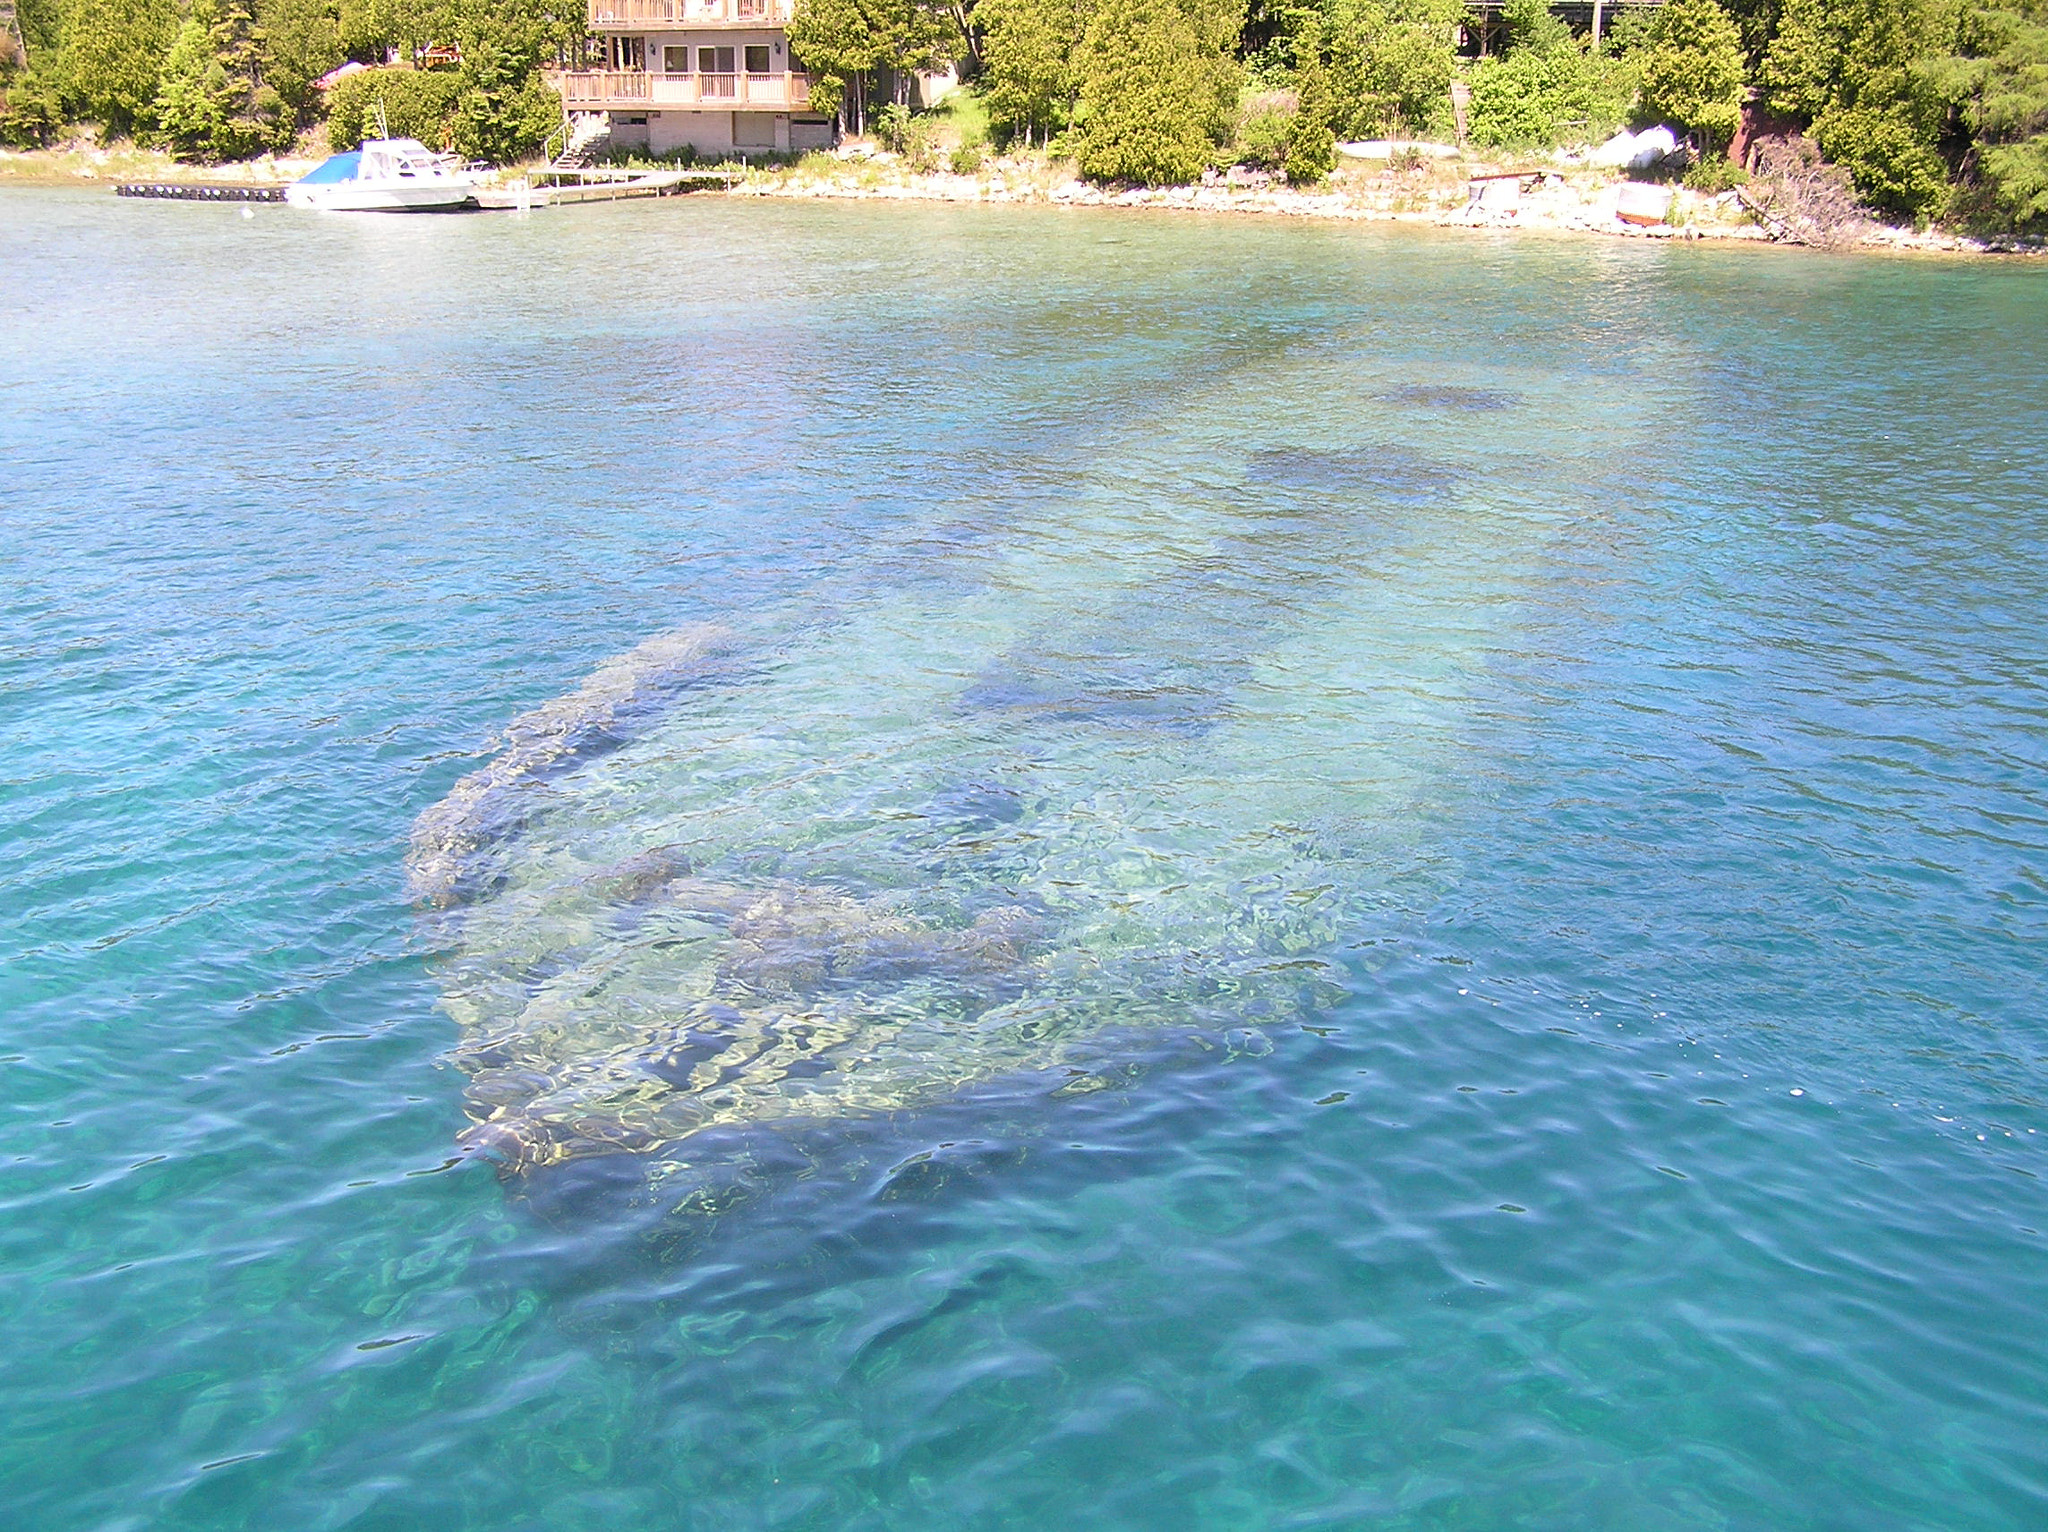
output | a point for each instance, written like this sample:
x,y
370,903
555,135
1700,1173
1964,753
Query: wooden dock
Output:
x,y
560,188
199,191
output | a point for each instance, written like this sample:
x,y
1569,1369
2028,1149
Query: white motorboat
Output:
x,y
385,175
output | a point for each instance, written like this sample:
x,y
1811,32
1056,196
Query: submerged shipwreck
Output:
x,y
674,902
1001,839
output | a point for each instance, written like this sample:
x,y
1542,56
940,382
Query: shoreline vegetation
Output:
x,y
1836,123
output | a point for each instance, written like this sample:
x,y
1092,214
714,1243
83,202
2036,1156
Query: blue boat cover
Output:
x,y
336,167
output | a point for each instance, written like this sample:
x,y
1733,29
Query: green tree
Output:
x,y
849,41
1691,71
1311,142
1857,72
31,112
31,101
113,58
369,30
302,41
212,104
1158,82
1391,63
1999,78
504,108
1031,76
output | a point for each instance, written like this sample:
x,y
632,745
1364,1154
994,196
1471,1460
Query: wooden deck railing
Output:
x,y
689,13
599,89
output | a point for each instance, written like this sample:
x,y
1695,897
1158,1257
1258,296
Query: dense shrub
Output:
x,y
417,103
1715,173
1263,134
1546,89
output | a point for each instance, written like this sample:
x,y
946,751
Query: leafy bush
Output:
x,y
1546,89
1715,173
965,159
892,127
901,133
31,115
1527,98
1262,136
418,103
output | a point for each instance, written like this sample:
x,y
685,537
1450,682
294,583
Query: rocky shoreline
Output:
x,y
1558,199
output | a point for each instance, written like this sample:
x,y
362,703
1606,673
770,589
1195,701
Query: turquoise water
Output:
x,y
1523,763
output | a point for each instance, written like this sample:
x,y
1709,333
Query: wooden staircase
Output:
x,y
586,142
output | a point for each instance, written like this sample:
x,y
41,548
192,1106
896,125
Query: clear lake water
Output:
x,y
1328,877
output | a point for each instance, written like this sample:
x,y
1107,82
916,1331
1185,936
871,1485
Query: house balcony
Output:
x,y
635,90
643,15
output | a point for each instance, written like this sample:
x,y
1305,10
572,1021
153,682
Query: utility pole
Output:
x,y
13,46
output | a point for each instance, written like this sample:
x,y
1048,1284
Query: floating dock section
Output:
x,y
195,191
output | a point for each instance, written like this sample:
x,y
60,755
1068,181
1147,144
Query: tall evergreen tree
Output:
x,y
302,41
1311,142
1999,79
1154,77
213,104
505,108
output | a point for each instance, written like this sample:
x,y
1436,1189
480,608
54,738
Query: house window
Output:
x,y
675,60
757,58
714,61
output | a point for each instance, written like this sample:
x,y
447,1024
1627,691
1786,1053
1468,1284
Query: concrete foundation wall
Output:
x,y
709,133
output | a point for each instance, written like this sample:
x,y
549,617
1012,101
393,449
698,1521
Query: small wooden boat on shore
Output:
x,y
385,175
1641,203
